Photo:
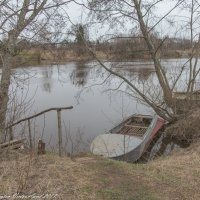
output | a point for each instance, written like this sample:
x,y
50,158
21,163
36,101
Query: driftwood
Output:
x,y
13,144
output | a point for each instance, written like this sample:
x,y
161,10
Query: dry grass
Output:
x,y
187,128
178,175
173,177
36,56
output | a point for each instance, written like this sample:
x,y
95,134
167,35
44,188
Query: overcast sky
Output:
x,y
78,14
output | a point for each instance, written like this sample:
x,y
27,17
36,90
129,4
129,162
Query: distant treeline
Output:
x,y
126,47
116,48
135,47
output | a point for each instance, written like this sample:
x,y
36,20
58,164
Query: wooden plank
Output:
x,y
12,142
141,132
134,126
133,130
137,131
123,130
13,146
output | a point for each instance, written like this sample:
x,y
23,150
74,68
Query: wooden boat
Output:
x,y
128,140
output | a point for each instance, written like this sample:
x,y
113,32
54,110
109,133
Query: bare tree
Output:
x,y
80,31
193,8
21,20
144,19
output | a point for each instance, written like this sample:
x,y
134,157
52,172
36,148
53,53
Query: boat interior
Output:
x,y
134,126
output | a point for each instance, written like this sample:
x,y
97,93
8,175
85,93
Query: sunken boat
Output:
x,y
128,140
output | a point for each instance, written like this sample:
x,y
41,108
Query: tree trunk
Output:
x,y
159,70
4,88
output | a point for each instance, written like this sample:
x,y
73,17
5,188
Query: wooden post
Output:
x,y
58,109
41,147
30,136
11,134
124,144
59,132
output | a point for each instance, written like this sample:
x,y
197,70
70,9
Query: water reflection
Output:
x,y
143,74
142,71
80,74
99,107
47,82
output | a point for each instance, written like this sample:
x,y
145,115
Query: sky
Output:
x,y
79,14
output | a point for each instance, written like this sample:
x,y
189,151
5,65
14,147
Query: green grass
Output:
x,y
111,194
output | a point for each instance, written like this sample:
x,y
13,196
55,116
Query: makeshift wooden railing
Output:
x,y
41,113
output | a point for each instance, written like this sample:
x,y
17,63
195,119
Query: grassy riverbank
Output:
x,y
37,56
173,177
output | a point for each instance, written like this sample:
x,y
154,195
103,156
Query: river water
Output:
x,y
97,104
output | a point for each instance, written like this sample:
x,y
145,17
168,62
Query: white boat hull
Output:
x,y
123,146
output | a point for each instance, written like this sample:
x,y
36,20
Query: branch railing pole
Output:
x,y
38,114
59,131
29,132
9,128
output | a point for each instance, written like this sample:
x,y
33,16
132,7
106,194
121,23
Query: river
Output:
x,y
97,105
